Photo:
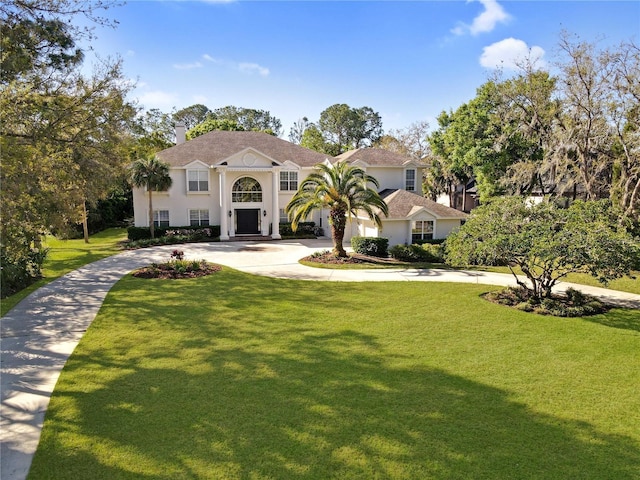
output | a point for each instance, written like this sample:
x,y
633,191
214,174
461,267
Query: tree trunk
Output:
x,y
151,226
338,224
85,223
464,197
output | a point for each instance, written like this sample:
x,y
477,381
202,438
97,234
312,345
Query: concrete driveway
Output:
x,y
40,333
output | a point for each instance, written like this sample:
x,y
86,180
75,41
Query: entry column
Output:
x,y
275,204
224,225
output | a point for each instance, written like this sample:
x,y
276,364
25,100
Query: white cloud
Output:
x,y
209,58
158,99
187,66
130,53
492,14
244,67
510,52
251,68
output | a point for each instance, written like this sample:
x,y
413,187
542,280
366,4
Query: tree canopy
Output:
x,y
63,132
574,134
545,241
249,119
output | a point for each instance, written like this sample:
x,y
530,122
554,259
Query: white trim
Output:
x,y
243,152
189,165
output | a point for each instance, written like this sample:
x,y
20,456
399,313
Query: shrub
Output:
x,y
434,252
304,228
372,246
193,234
20,269
573,304
417,253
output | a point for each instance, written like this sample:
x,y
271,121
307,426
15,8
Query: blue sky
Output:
x,y
407,60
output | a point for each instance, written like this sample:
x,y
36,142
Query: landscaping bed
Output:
x,y
572,304
177,267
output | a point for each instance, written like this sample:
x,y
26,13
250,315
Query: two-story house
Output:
x,y
242,181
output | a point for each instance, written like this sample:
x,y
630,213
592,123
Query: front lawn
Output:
x,y
234,376
67,255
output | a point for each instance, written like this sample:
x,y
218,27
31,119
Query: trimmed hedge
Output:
x,y
193,232
433,253
371,246
304,228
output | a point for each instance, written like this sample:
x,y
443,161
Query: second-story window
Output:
x,y
410,180
288,181
198,181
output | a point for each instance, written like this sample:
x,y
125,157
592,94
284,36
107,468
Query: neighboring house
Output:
x,y
242,181
462,197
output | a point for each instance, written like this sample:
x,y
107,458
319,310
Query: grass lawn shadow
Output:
x,y
626,319
253,378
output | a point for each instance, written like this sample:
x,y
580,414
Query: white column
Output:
x,y
224,209
275,204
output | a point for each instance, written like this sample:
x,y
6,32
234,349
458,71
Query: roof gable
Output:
x,y
403,204
249,158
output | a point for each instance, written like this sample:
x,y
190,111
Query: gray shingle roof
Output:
x,y
213,147
376,157
402,203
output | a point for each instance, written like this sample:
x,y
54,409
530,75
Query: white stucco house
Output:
x,y
242,182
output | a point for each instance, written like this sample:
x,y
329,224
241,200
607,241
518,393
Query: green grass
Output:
x,y
235,376
67,255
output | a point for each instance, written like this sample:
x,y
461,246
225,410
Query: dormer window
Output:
x,y
197,180
410,180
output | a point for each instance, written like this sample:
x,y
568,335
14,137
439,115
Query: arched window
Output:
x,y
246,190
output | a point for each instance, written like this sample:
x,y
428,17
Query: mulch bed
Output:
x,y
169,271
353,258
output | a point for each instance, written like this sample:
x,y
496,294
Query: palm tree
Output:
x,y
344,190
152,173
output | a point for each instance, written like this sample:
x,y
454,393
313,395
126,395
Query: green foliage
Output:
x,y
62,130
312,139
431,253
303,229
343,189
372,246
249,119
153,174
191,233
212,124
347,128
573,304
546,242
154,131
20,268
191,116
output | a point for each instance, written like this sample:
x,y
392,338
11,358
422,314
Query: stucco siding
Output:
x,y
444,227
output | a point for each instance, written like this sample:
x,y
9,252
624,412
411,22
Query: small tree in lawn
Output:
x,y
545,241
344,190
153,174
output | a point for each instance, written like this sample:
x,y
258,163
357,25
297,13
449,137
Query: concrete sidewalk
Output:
x,y
40,333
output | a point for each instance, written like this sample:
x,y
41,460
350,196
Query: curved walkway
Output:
x,y
39,334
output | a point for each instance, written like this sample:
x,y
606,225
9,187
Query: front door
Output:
x,y
247,221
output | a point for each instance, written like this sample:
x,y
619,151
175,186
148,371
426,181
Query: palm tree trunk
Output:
x,y
338,224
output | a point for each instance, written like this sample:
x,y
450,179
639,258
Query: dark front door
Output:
x,y
247,221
